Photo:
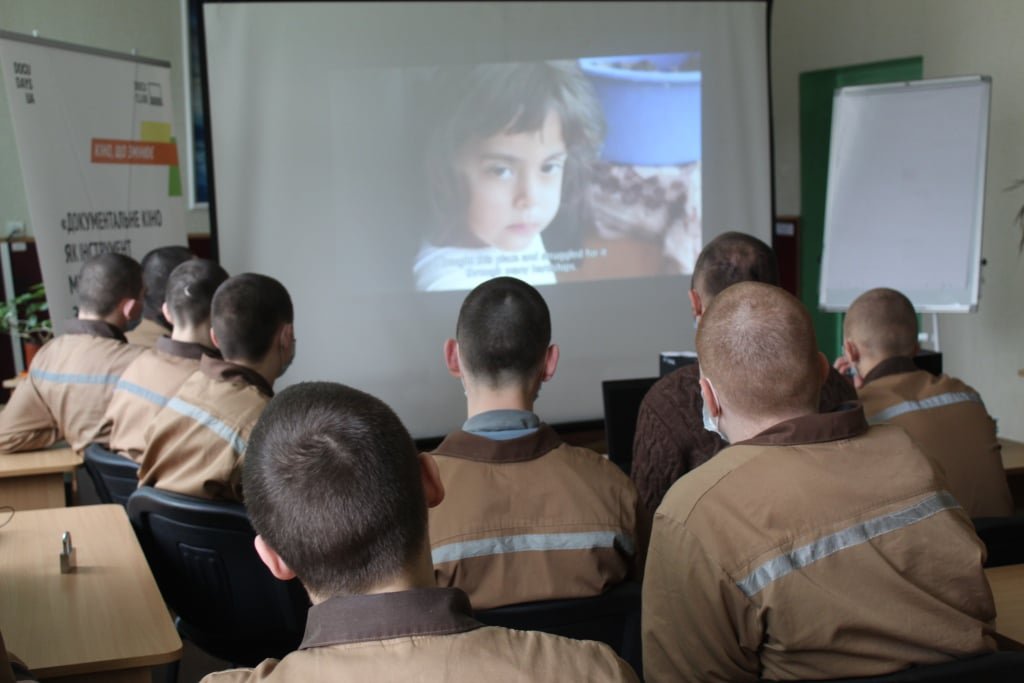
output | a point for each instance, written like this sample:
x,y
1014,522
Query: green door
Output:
x,y
816,91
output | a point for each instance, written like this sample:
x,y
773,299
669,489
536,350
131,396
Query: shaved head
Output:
x,y
730,258
882,322
757,348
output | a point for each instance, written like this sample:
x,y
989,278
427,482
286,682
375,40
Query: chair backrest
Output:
x,y
622,398
202,555
612,618
998,667
114,476
1004,539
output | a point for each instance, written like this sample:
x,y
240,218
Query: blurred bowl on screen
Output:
x,y
651,106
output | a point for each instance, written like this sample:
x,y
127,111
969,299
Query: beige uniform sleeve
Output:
x,y
262,672
697,625
26,423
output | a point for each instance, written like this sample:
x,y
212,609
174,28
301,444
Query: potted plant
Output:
x,y
27,315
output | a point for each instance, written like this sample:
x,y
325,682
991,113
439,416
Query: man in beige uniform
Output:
x,y
195,444
943,415
339,498
527,516
72,377
814,546
670,440
153,378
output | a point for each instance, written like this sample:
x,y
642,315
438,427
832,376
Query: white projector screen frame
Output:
x,y
269,123
906,193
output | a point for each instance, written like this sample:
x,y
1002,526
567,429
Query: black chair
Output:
x,y
114,476
1004,538
202,556
612,618
998,667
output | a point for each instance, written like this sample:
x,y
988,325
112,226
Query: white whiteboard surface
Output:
x,y
906,189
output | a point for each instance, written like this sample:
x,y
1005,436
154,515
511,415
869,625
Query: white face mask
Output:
x,y
711,423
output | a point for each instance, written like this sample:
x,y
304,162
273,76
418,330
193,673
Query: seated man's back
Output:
x,y
339,497
428,635
946,417
72,377
196,443
531,518
814,547
150,381
527,517
670,439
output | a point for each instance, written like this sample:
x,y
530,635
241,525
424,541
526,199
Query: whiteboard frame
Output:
x,y
975,262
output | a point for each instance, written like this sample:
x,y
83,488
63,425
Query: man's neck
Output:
x,y
481,399
741,428
262,368
192,335
115,319
866,364
419,575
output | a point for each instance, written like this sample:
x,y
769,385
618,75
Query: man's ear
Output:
x,y
286,335
433,487
166,310
213,338
550,362
696,305
710,399
275,563
131,309
451,358
851,351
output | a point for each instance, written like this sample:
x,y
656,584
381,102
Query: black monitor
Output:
x,y
929,360
622,399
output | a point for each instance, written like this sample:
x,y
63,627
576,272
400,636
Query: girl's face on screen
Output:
x,y
515,184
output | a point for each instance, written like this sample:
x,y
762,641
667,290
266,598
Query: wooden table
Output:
x,y
34,480
1008,588
104,622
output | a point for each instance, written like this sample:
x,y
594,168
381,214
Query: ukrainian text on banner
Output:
x,y
98,156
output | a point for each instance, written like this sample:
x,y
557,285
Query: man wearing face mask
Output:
x,y
196,443
670,440
814,546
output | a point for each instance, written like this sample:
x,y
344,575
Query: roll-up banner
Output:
x,y
99,157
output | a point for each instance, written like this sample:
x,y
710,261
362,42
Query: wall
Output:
x,y
153,27
955,38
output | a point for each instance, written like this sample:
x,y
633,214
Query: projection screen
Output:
x,y
381,159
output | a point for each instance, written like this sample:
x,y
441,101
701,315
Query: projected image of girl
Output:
x,y
507,152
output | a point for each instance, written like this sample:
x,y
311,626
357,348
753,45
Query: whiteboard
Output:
x,y
906,188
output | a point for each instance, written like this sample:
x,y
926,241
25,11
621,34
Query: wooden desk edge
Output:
x,y
99,666
71,461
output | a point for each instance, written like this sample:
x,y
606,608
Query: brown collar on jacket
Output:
x,y
97,328
189,350
460,444
225,371
360,618
891,366
845,422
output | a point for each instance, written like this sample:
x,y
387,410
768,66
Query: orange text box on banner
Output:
x,y
104,151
